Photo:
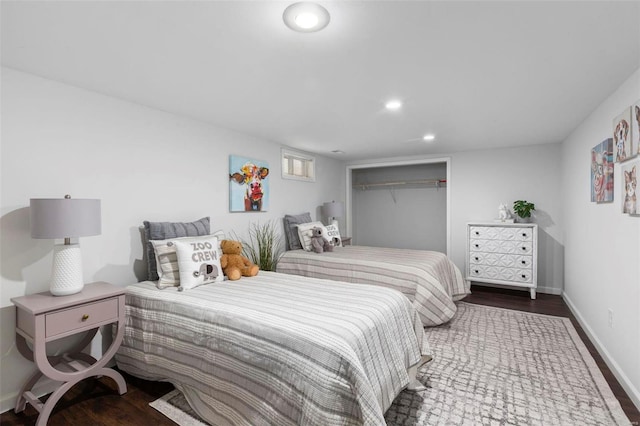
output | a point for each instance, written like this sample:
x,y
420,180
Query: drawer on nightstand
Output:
x,y
81,317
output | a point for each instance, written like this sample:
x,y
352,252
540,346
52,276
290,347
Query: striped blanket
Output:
x,y
275,349
428,278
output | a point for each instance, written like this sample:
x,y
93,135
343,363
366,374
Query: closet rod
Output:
x,y
437,182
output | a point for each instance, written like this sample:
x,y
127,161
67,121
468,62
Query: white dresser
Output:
x,y
503,253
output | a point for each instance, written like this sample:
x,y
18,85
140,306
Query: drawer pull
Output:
x,y
524,234
85,317
524,276
524,248
476,271
476,258
523,262
477,233
477,245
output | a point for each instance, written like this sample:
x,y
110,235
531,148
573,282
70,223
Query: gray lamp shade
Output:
x,y
333,209
64,218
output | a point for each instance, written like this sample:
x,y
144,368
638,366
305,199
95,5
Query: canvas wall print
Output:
x,y
635,128
630,200
622,136
248,185
602,172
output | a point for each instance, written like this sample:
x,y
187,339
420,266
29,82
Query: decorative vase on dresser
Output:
x,y
503,253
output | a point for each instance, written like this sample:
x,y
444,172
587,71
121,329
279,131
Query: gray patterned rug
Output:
x,y
493,366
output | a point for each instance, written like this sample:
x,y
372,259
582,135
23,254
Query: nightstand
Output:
x,y
346,241
42,318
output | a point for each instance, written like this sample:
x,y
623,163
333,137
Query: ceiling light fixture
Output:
x,y
306,17
428,138
393,105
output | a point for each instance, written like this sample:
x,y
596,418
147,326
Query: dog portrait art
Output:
x,y
248,185
635,128
622,137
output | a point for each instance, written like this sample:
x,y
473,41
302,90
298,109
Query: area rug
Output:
x,y
493,366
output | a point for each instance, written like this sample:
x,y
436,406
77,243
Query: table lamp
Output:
x,y
66,218
332,210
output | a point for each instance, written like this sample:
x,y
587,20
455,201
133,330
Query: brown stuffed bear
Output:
x,y
234,264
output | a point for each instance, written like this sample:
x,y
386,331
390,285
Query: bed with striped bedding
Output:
x,y
428,278
276,349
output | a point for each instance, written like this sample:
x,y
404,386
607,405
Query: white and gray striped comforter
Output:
x,y
276,349
428,278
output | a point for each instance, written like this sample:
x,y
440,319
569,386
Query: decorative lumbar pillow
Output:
x,y
305,233
198,262
168,230
291,223
332,233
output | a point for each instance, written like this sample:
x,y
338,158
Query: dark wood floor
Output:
x,y
97,403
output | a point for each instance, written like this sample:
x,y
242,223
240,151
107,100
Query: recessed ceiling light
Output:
x,y
428,138
393,105
306,17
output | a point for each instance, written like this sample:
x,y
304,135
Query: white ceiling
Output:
x,y
477,74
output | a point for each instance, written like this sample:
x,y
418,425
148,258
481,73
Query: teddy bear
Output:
x,y
233,263
318,242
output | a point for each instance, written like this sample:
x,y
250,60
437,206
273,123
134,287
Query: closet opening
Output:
x,y
400,204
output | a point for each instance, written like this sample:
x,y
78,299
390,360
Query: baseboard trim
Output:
x,y
549,290
634,394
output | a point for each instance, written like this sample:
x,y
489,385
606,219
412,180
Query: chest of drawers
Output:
x,y
502,253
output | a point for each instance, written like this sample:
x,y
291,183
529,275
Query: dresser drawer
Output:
x,y
70,320
500,234
500,259
523,276
504,247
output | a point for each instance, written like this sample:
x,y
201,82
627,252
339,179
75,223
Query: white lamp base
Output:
x,y
66,277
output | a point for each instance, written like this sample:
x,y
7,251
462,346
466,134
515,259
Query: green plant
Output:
x,y
264,247
523,208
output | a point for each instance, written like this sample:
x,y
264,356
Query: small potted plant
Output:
x,y
264,247
523,209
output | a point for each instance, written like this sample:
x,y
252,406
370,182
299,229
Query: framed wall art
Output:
x,y
602,172
635,128
248,185
622,136
629,172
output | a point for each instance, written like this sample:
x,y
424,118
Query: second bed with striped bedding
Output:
x,y
428,278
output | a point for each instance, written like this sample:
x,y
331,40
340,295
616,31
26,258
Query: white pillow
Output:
x,y
304,232
332,233
198,262
167,260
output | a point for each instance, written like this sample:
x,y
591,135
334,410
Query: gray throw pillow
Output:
x,y
165,230
291,223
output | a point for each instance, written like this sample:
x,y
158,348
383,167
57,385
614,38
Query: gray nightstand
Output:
x,y
346,241
43,318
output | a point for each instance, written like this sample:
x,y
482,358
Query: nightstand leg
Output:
x,y
43,418
117,377
533,293
21,403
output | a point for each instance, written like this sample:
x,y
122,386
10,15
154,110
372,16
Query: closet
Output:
x,y
401,205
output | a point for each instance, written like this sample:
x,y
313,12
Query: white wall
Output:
x,y
480,180
142,163
412,216
602,256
